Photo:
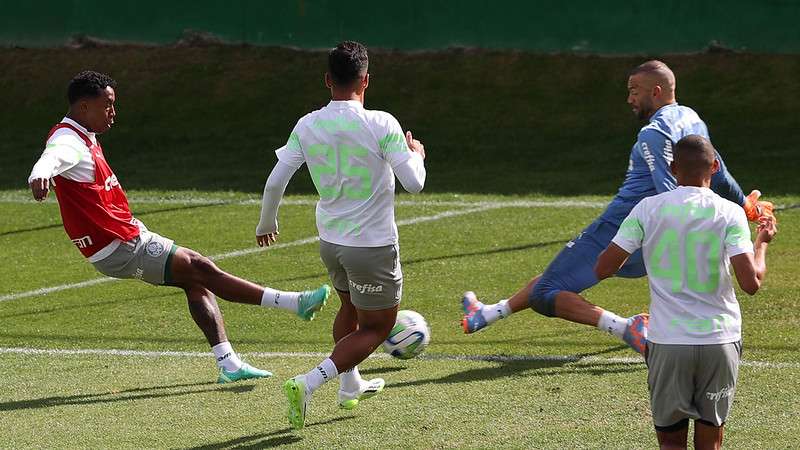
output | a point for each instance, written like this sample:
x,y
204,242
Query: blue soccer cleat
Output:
x,y
246,372
473,319
636,332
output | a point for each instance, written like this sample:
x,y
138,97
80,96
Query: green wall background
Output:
x,y
614,27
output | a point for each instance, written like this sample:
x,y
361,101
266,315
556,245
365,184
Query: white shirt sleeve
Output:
x,y
392,141
273,192
59,156
737,234
411,173
291,154
631,233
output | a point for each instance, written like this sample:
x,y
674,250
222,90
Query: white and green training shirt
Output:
x,y
351,153
688,236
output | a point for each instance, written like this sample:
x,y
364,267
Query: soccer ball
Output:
x,y
409,337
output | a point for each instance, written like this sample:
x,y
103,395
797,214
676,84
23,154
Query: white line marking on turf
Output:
x,y
567,359
248,251
309,202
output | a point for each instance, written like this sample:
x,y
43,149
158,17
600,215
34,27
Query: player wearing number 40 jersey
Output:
x,y
690,237
353,155
556,293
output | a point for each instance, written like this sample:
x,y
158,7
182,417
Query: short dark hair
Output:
x,y
88,84
347,62
694,154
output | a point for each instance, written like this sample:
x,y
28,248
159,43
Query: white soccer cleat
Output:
x,y
371,388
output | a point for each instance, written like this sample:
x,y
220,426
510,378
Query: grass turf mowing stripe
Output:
x,y
577,359
248,251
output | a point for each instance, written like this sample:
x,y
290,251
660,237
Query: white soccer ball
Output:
x,y
409,337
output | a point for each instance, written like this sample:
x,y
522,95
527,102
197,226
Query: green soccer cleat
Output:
x,y
246,372
312,301
295,390
369,389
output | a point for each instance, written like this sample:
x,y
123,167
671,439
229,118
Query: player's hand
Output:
x,y
756,209
415,145
767,229
265,240
40,187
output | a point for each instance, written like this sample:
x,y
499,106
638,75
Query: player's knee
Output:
x,y
543,298
202,265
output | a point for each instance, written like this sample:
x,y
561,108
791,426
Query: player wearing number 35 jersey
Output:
x,y
353,155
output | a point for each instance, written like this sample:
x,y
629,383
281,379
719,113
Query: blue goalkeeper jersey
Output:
x,y
648,169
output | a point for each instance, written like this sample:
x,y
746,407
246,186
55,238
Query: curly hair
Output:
x,y
347,62
88,84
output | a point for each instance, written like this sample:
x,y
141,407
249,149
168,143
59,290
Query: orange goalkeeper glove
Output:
x,y
755,209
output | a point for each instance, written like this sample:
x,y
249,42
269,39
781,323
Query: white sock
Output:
x,y
226,357
612,324
324,372
350,380
272,298
493,313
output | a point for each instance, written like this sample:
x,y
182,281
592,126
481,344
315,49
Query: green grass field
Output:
x,y
526,382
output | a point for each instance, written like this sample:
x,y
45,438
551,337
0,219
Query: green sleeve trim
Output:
x,y
632,229
393,143
77,151
293,143
736,235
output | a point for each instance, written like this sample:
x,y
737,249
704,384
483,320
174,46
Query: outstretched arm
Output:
x,y
267,229
725,185
56,159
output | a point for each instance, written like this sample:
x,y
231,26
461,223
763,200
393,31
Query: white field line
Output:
x,y
248,251
17,199
567,359
25,198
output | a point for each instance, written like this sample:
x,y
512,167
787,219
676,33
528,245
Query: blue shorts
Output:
x,y
572,269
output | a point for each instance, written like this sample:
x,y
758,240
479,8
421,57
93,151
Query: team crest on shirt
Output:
x,y
154,249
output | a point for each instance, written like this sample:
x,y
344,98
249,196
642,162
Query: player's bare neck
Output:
x,y
76,117
345,96
694,182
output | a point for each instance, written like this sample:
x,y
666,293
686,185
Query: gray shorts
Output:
x,y
691,382
372,275
145,257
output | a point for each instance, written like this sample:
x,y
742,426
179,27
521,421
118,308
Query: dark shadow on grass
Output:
x,y
140,214
381,370
413,261
408,262
277,438
511,367
125,395
160,294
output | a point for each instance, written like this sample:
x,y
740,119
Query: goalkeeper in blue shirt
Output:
x,y
555,293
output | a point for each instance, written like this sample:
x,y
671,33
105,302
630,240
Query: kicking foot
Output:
x,y
371,388
636,332
312,301
246,372
295,390
473,319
